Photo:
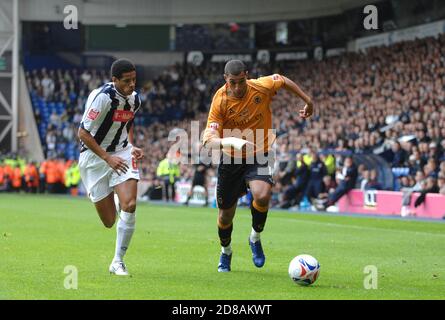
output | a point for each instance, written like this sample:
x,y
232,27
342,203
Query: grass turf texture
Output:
x,y
175,250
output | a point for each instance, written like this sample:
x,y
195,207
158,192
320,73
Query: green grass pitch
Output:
x,y
175,250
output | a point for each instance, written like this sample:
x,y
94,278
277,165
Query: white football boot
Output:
x,y
118,268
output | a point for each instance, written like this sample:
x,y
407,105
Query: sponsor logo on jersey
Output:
x,y
92,114
123,115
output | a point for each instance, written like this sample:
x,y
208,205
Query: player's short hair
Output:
x,y
121,66
234,67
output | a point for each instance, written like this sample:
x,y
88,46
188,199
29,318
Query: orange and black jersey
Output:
x,y
251,114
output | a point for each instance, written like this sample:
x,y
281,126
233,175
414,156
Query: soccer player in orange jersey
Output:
x,y
239,123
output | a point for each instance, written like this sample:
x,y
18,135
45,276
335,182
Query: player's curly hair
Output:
x,y
121,66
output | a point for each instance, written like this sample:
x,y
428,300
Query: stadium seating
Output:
x,y
359,110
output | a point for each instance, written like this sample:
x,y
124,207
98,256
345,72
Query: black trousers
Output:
x,y
167,187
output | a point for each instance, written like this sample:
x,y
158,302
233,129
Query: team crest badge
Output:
x,y
92,114
214,126
257,99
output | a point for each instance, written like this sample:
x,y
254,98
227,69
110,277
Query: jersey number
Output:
x,y
134,163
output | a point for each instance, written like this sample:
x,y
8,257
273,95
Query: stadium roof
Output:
x,y
184,11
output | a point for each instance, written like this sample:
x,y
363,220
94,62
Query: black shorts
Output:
x,y
233,180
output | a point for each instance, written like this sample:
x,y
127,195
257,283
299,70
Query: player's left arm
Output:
x,y
136,152
291,86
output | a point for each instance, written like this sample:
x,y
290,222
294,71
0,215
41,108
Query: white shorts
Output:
x,y
99,178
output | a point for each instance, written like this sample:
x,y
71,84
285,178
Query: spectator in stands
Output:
x,y
72,178
399,155
38,117
407,193
424,152
55,120
442,146
360,169
441,169
373,182
47,85
293,194
433,152
431,169
154,191
329,187
31,177
329,162
441,184
430,187
68,133
9,174
415,163
422,137
2,177
317,170
16,179
50,171
419,181
364,180
286,166
51,140
404,182
348,179
42,176
168,171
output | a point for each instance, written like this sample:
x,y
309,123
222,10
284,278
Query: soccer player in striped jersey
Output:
x,y
108,159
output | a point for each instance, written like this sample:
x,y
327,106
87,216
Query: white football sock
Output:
x,y
227,250
124,229
254,236
116,203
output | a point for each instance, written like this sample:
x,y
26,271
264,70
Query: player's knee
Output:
x,y
262,199
108,223
224,219
129,206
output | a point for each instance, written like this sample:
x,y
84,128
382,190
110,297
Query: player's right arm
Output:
x,y
90,119
213,133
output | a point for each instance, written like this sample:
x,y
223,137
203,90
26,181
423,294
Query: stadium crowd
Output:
x,y
388,101
50,176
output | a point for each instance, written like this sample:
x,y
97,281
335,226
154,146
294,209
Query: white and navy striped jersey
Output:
x,y
109,116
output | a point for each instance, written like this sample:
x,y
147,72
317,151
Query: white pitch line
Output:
x,y
363,228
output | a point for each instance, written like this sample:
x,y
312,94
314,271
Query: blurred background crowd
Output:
x,y
388,102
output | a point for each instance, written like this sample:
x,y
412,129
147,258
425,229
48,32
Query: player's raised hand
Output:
x,y
236,143
117,164
137,153
307,111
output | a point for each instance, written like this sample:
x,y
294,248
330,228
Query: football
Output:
x,y
304,269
